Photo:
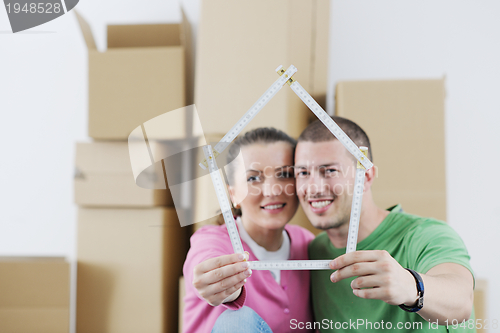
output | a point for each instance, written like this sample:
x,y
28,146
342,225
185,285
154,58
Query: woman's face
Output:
x,y
271,200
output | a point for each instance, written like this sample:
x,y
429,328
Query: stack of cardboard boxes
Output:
x,y
239,45
130,245
34,295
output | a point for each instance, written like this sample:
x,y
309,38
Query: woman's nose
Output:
x,y
271,187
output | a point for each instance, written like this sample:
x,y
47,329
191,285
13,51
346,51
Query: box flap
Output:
x,y
143,35
86,31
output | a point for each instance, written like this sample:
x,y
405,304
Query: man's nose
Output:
x,y
315,184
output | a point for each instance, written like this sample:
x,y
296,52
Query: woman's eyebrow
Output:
x,y
252,170
284,167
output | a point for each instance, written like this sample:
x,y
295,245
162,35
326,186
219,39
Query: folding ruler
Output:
x,y
360,153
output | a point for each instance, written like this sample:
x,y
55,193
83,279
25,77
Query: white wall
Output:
x,y
393,39
43,90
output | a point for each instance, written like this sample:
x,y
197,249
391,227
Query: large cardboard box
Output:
x,y
104,177
129,264
140,76
480,301
404,120
239,46
34,295
182,294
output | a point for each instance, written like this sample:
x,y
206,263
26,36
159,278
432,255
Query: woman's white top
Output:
x,y
283,253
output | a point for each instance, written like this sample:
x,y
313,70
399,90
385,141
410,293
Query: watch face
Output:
x,y
420,302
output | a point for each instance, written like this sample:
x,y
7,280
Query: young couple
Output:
x,y
381,283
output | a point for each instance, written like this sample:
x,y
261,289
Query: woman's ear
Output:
x,y
231,191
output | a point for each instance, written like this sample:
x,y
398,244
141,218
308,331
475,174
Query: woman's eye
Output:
x,y
252,179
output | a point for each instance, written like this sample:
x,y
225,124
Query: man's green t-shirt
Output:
x,y
416,243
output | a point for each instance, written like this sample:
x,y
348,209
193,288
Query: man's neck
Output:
x,y
371,217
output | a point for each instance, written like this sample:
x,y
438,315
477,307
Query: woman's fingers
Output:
x,y
222,273
213,263
217,299
226,285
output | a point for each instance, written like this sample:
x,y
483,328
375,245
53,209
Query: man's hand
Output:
x,y
380,273
448,286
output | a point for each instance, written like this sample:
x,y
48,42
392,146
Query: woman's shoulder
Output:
x,y
211,231
211,239
298,232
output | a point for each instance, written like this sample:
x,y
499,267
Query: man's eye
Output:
x,y
330,172
301,174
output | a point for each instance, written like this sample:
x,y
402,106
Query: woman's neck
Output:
x,y
270,239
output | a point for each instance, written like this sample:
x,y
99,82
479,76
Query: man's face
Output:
x,y
325,173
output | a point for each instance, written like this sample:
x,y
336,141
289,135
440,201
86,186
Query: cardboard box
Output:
x,y
404,120
129,264
239,46
35,295
182,294
480,301
104,177
140,76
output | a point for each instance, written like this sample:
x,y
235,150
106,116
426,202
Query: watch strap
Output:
x,y
420,291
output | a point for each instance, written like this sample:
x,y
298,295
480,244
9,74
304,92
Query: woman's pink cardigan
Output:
x,y
279,305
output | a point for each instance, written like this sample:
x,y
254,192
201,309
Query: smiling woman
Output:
x,y
262,187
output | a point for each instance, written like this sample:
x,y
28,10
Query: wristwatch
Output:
x,y
420,291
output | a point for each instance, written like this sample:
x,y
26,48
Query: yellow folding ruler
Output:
x,y
360,153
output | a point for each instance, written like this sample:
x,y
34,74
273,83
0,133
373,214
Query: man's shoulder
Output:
x,y
415,223
320,246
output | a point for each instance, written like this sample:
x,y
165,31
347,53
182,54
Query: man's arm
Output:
x,y
448,287
448,293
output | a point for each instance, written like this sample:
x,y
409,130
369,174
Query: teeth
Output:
x,y
274,206
320,204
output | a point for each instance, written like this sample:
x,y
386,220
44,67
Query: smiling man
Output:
x,y
409,273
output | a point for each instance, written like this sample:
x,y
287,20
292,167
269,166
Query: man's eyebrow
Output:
x,y
252,170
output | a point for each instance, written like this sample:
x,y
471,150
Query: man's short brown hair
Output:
x,y
317,132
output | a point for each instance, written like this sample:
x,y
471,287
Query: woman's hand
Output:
x,y
220,279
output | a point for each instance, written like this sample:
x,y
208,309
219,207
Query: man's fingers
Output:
x,y
370,281
213,263
357,269
357,256
372,293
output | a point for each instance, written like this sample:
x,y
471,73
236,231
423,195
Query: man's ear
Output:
x,y
370,176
